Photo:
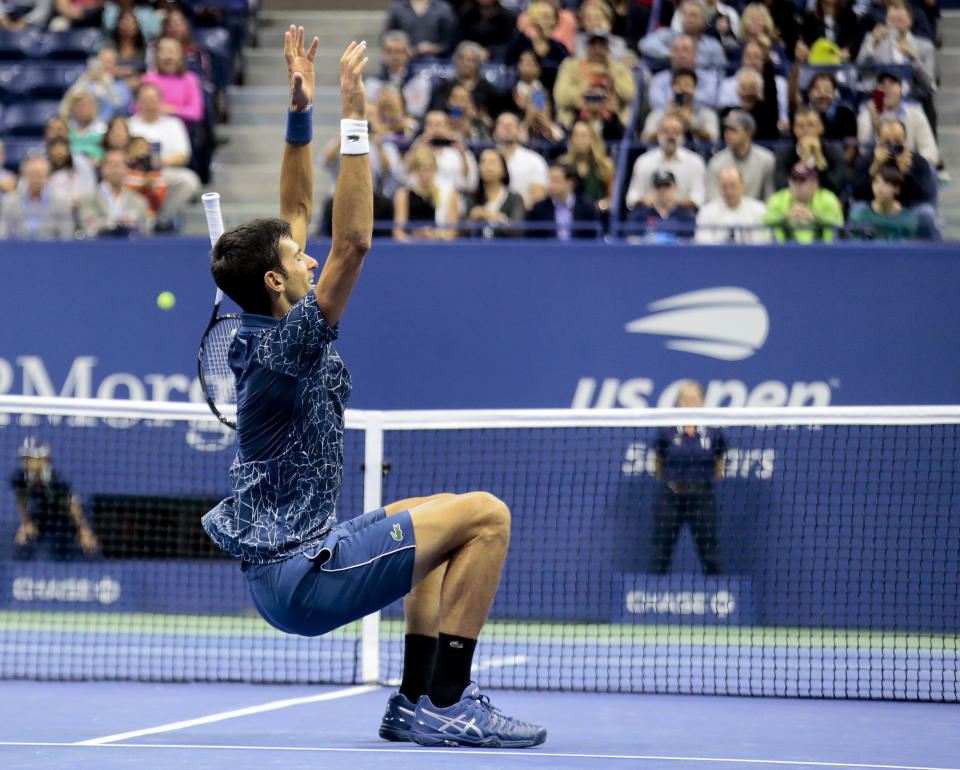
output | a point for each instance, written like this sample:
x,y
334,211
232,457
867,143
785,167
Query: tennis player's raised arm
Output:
x,y
353,196
296,172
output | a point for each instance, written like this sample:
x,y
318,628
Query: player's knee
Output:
x,y
492,514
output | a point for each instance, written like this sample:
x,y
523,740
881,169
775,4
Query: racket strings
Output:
x,y
218,378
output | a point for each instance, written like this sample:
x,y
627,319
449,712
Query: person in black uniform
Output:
x,y
52,523
689,459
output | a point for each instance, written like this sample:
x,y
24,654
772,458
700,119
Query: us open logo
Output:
x,y
725,322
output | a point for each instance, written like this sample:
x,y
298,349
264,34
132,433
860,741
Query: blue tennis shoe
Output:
x,y
472,721
398,718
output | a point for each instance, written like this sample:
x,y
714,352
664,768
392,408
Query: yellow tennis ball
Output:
x,y
166,300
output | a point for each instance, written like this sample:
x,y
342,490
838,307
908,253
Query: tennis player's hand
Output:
x,y
299,67
88,542
352,91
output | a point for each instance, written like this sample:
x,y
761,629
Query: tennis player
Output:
x,y
309,574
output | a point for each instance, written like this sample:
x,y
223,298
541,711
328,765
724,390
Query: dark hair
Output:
x,y
891,175
568,171
481,193
243,255
140,41
110,124
822,76
57,142
683,71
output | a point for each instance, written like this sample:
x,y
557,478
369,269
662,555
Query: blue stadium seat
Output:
x,y
18,148
74,44
217,42
36,80
27,118
17,44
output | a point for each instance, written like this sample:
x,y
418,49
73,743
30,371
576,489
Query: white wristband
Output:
x,y
354,139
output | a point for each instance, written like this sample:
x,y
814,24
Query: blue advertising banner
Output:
x,y
524,324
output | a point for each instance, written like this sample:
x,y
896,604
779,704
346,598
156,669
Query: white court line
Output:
x,y
485,752
272,706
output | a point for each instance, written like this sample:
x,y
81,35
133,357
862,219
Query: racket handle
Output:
x,y
211,207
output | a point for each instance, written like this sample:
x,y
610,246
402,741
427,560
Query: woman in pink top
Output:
x,y
181,89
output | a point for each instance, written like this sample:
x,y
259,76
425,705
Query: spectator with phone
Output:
x,y
700,123
918,191
538,122
456,166
839,121
888,104
597,113
885,218
683,55
576,76
528,82
468,64
465,121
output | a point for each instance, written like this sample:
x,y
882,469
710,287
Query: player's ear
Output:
x,y
273,280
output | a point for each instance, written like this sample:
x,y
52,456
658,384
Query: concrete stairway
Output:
x,y
948,116
246,170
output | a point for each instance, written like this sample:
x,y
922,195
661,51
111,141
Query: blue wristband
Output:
x,y
300,126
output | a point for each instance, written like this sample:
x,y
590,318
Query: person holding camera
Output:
x,y
700,123
919,187
456,166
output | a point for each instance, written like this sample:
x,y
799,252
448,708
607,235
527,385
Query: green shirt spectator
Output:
x,y
885,218
804,212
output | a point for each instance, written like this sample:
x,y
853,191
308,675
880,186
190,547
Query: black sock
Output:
x,y
452,673
419,656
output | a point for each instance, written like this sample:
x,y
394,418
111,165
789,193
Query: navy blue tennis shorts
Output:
x,y
362,565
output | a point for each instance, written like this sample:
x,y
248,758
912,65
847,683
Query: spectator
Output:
x,y
112,209
538,37
528,83
66,181
415,87
576,76
811,151
528,170
430,25
835,23
111,94
598,114
177,27
587,155
732,217
117,136
456,166
686,168
700,123
683,56
926,14
395,123
465,120
538,124
560,24
468,63
710,53
804,212
784,14
885,218
432,210
597,15
33,210
721,19
180,89
144,175
839,121
660,216
25,13
57,128
894,44
131,48
488,24
563,214
755,57
52,524
754,163
889,94
689,460
146,15
76,13
757,95
8,179
918,191
86,129
492,203
170,134
757,26
631,19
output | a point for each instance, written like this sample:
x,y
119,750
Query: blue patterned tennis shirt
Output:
x,y
292,388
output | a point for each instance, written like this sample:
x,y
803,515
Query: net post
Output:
x,y
372,499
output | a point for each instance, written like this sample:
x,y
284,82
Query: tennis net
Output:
x,y
799,552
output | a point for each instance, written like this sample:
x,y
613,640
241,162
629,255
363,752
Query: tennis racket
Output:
x,y
216,377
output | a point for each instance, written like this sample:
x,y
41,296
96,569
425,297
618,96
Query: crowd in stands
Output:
x,y
793,120
107,112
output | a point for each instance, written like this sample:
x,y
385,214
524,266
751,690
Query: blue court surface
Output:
x,y
124,724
